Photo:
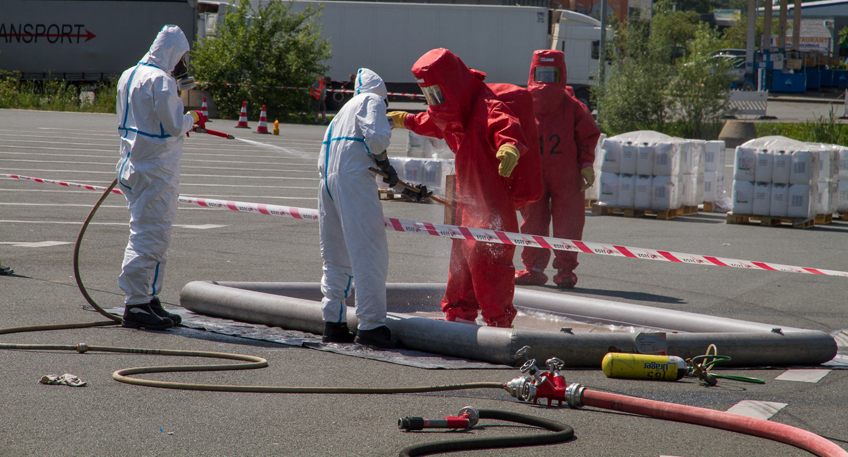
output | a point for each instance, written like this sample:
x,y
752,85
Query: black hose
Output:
x,y
562,434
114,319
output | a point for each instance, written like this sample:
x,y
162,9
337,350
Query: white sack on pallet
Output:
x,y
762,199
666,159
743,164
644,159
763,167
805,167
828,162
781,164
714,156
710,186
801,201
642,193
695,159
627,163
826,199
626,190
842,196
699,189
592,192
779,200
742,198
664,193
843,164
612,156
608,191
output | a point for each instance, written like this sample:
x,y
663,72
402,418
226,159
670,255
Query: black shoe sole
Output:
x,y
325,339
138,325
378,344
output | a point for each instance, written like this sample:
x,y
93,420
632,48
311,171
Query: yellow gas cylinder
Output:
x,y
643,366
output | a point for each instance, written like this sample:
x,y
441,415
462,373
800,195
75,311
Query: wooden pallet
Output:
x,y
634,212
388,194
770,221
708,207
823,219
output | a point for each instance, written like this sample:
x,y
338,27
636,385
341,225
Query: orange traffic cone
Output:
x,y
204,109
242,123
263,122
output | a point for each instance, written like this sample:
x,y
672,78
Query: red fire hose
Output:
x,y
716,419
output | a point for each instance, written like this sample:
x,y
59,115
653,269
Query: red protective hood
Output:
x,y
458,83
547,96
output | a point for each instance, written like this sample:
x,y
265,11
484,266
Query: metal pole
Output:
x,y
602,58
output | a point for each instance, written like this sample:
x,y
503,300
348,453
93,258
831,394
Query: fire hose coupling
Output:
x,y
548,385
574,395
468,417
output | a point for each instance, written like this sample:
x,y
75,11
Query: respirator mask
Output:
x,y
184,81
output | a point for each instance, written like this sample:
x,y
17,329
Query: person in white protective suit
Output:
x,y
352,233
152,126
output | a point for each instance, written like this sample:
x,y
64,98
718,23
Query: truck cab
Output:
x,y
578,37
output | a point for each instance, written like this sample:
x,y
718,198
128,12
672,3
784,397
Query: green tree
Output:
x,y
634,94
259,50
650,88
700,88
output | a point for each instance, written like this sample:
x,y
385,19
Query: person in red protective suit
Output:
x,y
567,138
487,139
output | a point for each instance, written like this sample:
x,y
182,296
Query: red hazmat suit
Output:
x,y
474,124
567,138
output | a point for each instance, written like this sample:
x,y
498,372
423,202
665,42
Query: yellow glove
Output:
x,y
398,118
588,175
195,116
508,155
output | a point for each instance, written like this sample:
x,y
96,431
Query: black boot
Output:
x,y
336,332
380,337
142,316
157,308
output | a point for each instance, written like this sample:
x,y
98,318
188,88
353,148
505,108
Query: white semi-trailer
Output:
x,y
84,40
498,40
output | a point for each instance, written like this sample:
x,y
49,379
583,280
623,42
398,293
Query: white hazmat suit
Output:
x,y
353,236
152,127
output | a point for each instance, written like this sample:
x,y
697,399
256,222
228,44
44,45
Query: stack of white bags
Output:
x,y
650,170
780,177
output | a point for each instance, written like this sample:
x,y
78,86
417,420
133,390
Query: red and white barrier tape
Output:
x,y
489,236
309,88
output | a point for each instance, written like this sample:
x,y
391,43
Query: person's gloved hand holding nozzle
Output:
x,y
588,175
386,167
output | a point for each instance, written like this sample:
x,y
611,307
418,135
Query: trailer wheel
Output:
x,y
584,97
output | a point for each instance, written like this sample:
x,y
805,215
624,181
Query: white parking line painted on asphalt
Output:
x,y
803,375
197,167
756,409
184,175
37,244
200,227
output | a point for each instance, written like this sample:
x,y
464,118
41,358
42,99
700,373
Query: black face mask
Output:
x,y
181,70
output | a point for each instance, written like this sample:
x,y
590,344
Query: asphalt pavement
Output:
x,y
39,224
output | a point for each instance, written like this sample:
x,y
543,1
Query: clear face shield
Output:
x,y
546,75
185,81
433,95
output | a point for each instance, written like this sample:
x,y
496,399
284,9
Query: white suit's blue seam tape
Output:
x,y
327,158
359,81
155,277
347,290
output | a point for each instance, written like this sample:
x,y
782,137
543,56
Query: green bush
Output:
x,y
823,130
259,49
